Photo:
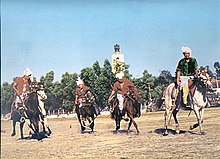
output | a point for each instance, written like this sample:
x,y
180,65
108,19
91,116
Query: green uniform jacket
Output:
x,y
187,67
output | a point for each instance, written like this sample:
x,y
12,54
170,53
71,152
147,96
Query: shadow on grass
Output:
x,y
121,131
37,136
161,131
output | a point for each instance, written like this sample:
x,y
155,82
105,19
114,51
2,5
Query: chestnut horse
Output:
x,y
130,107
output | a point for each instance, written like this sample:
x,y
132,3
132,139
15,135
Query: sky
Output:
x,y
69,35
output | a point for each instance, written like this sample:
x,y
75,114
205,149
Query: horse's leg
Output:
x,y
199,116
129,125
31,125
175,111
42,121
118,119
21,129
80,122
131,116
135,124
92,123
14,125
47,125
166,117
37,125
202,110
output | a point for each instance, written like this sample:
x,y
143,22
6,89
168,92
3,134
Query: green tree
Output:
x,y
52,101
66,93
100,80
7,97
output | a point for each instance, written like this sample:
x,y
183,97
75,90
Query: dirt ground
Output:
x,y
69,143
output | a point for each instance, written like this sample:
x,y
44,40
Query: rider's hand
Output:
x,y
18,93
109,100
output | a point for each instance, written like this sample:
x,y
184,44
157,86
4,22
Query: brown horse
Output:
x,y
130,107
28,111
86,114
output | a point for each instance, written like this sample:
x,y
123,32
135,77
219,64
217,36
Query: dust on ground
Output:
x,y
69,143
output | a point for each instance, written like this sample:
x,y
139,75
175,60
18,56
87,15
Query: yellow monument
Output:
x,y
118,63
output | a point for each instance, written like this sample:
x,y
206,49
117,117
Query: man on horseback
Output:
x,y
187,68
21,86
84,97
121,87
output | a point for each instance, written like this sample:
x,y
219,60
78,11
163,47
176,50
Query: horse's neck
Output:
x,y
198,98
171,90
32,100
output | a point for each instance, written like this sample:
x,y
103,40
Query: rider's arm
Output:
x,y
76,100
14,86
196,72
178,77
110,97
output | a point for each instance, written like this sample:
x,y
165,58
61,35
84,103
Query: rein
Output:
x,y
130,97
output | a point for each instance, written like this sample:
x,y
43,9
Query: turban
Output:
x,y
27,72
186,49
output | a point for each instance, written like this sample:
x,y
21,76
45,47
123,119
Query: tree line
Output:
x,y
99,79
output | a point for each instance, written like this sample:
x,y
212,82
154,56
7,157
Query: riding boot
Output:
x,y
189,100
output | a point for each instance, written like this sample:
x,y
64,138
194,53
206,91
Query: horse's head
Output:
x,y
34,86
205,79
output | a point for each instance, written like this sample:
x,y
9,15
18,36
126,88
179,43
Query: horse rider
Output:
x,y
187,69
21,86
121,87
42,98
85,97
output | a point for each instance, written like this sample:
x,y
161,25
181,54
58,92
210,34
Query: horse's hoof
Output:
x,y
191,128
165,133
203,133
13,134
177,132
128,132
138,133
115,132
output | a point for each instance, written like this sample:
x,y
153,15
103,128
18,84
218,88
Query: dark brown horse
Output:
x,y
130,107
86,117
29,111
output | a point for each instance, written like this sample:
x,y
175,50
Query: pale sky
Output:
x,y
69,35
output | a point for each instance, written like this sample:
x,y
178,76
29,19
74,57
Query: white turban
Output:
x,y
120,75
79,81
27,72
186,49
